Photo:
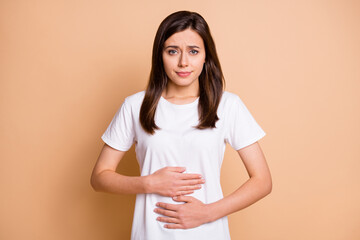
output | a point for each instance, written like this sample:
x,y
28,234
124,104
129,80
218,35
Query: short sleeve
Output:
x,y
120,132
242,129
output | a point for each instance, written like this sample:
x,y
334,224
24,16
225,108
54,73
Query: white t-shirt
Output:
x,y
178,143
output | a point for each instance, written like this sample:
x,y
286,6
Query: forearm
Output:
x,y
113,182
250,192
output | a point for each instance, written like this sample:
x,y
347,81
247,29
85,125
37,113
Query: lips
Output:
x,y
183,74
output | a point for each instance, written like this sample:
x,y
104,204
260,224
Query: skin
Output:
x,y
168,181
184,52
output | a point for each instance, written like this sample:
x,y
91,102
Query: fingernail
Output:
x,y
157,204
175,197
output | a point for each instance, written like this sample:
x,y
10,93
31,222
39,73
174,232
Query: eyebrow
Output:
x,y
173,46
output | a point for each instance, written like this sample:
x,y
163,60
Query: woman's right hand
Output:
x,y
171,182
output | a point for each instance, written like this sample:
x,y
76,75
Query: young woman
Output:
x,y
180,126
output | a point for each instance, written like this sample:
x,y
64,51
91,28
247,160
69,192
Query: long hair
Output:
x,y
211,80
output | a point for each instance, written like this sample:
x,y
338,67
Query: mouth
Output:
x,y
183,74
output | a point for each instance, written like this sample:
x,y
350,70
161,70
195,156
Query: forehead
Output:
x,y
186,37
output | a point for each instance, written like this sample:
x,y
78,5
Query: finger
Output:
x,y
174,226
183,193
168,220
192,182
168,206
186,176
176,169
165,212
189,188
183,198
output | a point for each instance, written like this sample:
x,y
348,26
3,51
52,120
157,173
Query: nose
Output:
x,y
183,61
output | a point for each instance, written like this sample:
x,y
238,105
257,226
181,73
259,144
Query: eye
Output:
x,y
172,52
194,52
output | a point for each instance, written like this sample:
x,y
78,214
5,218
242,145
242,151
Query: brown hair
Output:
x,y
211,80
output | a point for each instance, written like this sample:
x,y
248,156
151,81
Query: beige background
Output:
x,y
66,66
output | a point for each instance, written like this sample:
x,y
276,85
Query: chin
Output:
x,y
184,84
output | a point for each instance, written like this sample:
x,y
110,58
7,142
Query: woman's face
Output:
x,y
184,57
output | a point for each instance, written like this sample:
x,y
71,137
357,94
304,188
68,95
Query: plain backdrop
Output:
x,y
66,67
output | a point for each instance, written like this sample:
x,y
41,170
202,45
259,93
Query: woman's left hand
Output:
x,y
192,213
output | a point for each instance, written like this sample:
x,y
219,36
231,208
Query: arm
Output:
x,y
194,213
255,188
168,181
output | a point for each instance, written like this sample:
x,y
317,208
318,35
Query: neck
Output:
x,y
175,91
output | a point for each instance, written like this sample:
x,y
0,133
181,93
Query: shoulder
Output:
x,y
231,104
135,98
132,103
228,99
229,96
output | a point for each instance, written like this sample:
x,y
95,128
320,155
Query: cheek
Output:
x,y
166,65
200,65
169,63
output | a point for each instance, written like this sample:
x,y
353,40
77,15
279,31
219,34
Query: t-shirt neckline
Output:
x,y
187,105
